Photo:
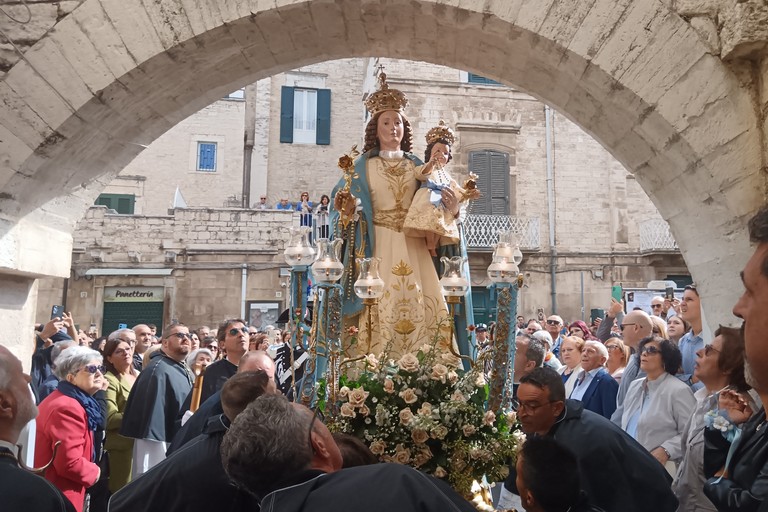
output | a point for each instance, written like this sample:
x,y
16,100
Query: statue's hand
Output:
x,y
344,202
450,201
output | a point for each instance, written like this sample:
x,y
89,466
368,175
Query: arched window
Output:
x,y
492,169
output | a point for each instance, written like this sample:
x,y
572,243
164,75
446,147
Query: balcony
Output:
x,y
482,231
656,236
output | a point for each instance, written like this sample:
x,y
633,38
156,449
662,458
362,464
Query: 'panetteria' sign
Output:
x,y
133,294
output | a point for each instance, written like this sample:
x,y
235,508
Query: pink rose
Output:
x,y
468,430
440,472
364,410
378,447
357,396
489,418
409,395
406,417
439,372
389,386
348,411
425,409
402,454
419,436
408,363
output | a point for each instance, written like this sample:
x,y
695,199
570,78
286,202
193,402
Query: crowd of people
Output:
x,y
633,413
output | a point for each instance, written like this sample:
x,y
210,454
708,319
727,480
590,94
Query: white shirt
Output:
x,y
582,383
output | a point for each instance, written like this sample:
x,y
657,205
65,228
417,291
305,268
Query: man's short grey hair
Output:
x,y
58,347
74,359
544,337
118,334
267,445
601,349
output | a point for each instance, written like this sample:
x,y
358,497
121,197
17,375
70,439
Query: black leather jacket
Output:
x,y
746,487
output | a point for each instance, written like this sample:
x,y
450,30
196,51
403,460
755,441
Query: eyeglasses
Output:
x,y
180,335
253,333
93,368
527,407
654,306
213,348
612,347
553,322
651,350
235,332
708,349
128,341
120,352
622,326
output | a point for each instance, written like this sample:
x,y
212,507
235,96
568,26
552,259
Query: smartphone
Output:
x,y
540,314
670,293
56,311
617,293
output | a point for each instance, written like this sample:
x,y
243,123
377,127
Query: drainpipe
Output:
x,y
243,288
249,137
551,207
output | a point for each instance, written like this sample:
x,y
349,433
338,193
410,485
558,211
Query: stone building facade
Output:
x,y
194,257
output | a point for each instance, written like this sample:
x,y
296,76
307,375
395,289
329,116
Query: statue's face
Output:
x,y
390,130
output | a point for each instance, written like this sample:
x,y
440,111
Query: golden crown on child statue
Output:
x,y
441,132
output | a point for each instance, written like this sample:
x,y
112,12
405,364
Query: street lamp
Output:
x,y
298,254
454,286
504,273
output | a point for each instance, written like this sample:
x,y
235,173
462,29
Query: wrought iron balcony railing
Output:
x,y
482,231
656,236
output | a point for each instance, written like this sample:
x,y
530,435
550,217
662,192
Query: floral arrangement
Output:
x,y
424,412
719,420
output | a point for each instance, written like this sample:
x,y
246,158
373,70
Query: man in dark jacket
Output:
x,y
282,452
617,472
154,402
192,479
744,486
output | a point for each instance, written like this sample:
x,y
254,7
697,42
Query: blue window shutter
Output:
x,y
206,158
286,115
323,129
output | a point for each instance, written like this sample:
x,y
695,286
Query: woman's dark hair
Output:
x,y
353,451
109,349
371,141
731,357
95,343
428,152
671,357
326,198
546,461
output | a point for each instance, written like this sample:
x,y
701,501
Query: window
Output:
x,y
206,156
477,79
305,116
492,169
121,203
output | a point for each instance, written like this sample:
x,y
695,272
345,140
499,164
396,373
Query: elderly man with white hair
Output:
x,y
550,360
595,387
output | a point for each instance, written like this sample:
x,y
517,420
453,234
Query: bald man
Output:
x,y
635,326
250,361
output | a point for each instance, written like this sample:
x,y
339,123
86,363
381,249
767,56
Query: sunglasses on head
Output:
x,y
93,368
235,332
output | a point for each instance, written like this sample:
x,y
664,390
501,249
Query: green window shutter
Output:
x,y
286,115
125,205
323,129
104,200
492,169
121,203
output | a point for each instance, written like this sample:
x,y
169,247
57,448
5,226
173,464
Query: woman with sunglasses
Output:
x,y
658,406
720,367
120,375
71,415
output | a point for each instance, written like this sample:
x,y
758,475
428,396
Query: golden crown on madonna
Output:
x,y
385,98
441,132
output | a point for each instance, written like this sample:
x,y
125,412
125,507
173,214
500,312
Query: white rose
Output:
x,y
425,409
489,418
453,377
344,392
440,472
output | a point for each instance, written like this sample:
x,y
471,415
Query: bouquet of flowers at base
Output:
x,y
422,411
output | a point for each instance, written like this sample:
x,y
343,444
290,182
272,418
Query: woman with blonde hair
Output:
x,y
570,353
618,355
659,327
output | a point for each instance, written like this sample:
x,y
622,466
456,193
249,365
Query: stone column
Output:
x,y
18,301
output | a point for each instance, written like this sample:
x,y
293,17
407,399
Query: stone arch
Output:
x,y
115,74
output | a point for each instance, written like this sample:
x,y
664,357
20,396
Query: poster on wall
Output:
x,y
262,314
